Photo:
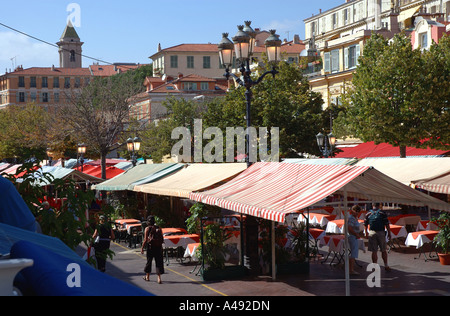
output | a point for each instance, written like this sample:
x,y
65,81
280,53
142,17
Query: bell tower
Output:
x,y
70,48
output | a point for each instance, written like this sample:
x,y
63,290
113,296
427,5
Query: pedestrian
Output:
x,y
376,226
102,241
153,240
353,236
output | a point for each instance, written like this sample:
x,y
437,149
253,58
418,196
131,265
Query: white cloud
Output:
x,y
27,52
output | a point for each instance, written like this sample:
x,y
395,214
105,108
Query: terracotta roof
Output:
x,y
190,48
193,77
110,70
50,71
165,88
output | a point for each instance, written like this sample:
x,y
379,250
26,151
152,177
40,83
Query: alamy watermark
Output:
x,y
74,16
214,150
374,278
74,278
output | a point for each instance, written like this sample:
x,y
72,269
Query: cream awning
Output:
x,y
193,178
406,170
408,13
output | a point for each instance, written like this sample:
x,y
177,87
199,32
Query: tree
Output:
x,y
392,100
98,113
23,132
285,101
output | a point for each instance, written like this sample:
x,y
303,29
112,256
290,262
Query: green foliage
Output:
x,y
400,96
69,224
442,239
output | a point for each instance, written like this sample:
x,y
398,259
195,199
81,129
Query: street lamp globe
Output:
x,y
251,32
241,44
82,148
130,145
332,140
137,143
273,47
226,51
320,140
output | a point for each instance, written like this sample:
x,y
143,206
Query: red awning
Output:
x,y
96,171
369,149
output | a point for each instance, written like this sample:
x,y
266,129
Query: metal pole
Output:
x,y
346,247
274,267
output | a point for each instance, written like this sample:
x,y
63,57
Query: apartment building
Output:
x,y
203,59
339,34
49,86
149,106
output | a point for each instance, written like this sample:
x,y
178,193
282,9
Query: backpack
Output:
x,y
377,221
156,238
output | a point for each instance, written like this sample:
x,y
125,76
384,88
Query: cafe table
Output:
x,y
405,219
179,242
397,231
173,231
419,239
317,218
336,245
337,226
427,225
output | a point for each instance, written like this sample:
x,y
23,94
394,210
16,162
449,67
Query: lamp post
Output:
x,y
81,151
242,46
50,157
326,144
133,146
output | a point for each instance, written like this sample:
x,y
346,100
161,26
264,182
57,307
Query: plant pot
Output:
x,y
444,259
227,273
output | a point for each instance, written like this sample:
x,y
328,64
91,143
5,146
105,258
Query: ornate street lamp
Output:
x,y
81,151
133,146
326,144
50,157
242,45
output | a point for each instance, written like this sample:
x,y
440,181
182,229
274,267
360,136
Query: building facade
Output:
x,y
338,35
49,86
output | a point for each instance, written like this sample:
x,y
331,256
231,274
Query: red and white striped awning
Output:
x,y
272,190
438,184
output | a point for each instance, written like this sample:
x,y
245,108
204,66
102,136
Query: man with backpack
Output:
x,y
153,240
376,226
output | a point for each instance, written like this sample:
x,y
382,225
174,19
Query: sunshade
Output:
x,y
406,170
61,173
273,190
195,177
323,161
141,174
437,184
371,150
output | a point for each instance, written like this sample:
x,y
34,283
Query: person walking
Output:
x,y
153,240
353,236
102,241
376,224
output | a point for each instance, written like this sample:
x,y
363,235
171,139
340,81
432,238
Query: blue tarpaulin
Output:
x,y
13,209
56,275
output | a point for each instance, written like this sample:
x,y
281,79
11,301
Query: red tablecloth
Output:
x,y
180,240
419,239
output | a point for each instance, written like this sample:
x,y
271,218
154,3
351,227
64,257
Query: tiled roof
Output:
x,y
69,32
193,77
50,71
190,48
110,70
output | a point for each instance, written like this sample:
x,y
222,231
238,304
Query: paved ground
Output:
x,y
409,277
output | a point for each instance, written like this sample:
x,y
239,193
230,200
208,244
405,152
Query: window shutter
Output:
x,y
327,63
358,53
346,57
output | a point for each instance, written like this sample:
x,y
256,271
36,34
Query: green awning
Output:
x,y
140,174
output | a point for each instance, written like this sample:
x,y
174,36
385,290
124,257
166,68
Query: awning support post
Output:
x,y
346,247
274,267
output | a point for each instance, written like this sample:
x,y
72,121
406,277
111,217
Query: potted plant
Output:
x,y
442,239
212,252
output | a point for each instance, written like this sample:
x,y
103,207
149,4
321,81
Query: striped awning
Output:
x,y
438,184
195,177
273,190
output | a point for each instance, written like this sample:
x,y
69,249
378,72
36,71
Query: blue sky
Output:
x,y
129,31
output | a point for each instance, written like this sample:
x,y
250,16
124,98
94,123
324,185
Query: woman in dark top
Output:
x,y
104,234
153,241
